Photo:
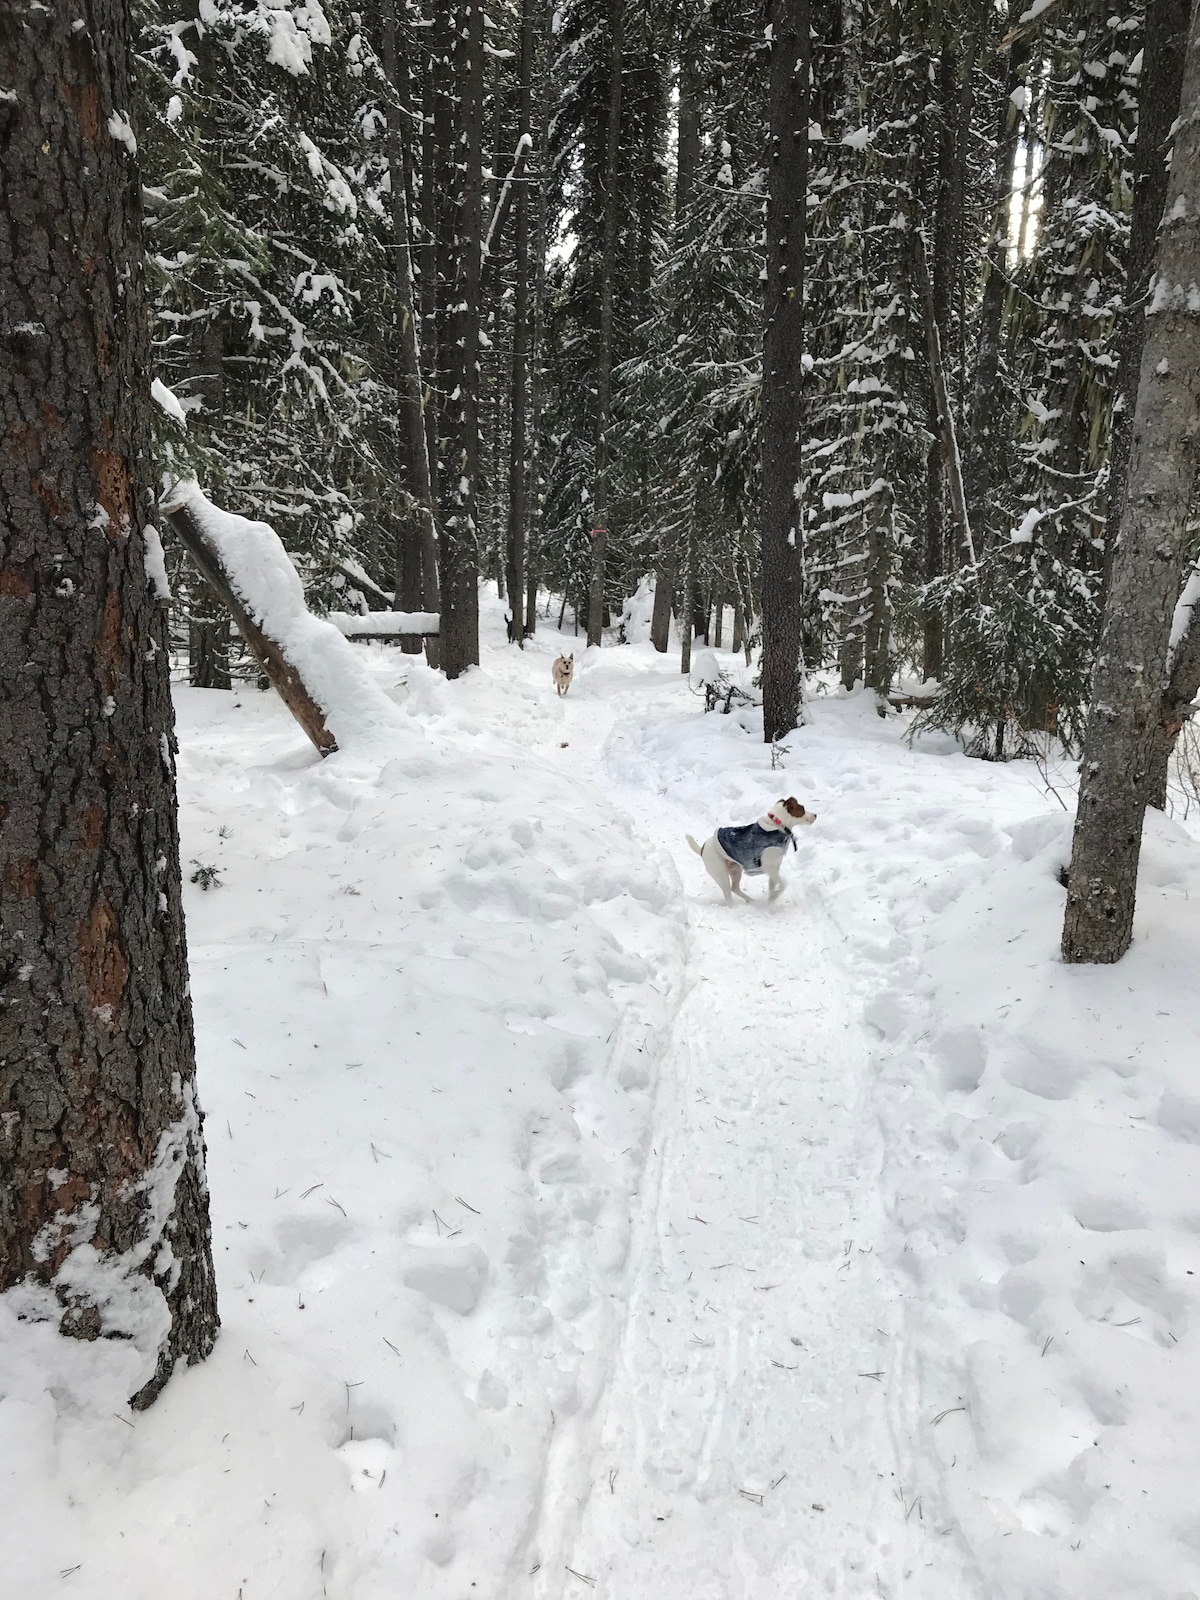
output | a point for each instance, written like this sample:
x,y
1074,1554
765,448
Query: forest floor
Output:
x,y
578,1235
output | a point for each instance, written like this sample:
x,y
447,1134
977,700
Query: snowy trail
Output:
x,y
745,1446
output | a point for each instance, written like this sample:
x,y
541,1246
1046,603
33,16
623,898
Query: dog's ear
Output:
x,y
794,807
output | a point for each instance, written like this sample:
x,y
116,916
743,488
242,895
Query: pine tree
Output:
x,y
103,1200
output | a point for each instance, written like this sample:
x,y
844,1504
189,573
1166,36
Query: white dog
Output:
x,y
562,672
754,849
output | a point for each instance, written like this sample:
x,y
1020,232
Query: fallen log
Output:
x,y
386,625
284,677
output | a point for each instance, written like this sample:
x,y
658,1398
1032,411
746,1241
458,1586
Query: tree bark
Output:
x,y
518,446
604,354
103,1199
951,461
416,580
284,677
459,532
1158,106
664,595
1132,673
782,377
981,453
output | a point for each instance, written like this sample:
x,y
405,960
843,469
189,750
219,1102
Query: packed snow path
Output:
x,y
576,1235
746,1449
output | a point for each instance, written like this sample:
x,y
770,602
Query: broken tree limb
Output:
x,y
365,585
937,374
386,624
283,675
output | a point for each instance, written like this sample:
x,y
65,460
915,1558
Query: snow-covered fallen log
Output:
x,y
309,663
386,624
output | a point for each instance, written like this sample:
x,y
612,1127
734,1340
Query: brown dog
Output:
x,y
755,848
562,672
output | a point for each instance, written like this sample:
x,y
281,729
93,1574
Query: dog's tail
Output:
x,y
694,845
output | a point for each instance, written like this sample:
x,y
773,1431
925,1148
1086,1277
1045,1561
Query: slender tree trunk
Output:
x,y
208,646
687,161
877,661
981,453
416,578
687,626
518,449
604,354
103,1200
534,517
664,595
1162,79
782,377
1132,666
936,287
459,545
951,461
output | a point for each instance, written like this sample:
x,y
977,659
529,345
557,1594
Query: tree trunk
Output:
x,y
935,287
664,595
208,650
518,447
782,377
103,1200
416,565
534,479
951,461
981,453
877,659
459,532
604,355
686,624
283,676
1132,667
1162,73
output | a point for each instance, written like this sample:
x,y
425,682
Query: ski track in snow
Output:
x,y
578,1235
746,1448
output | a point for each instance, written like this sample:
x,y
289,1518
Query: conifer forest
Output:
x,y
444,292
596,420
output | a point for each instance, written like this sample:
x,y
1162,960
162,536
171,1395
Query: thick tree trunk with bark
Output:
x,y
782,377
459,532
1133,666
416,579
518,445
604,353
103,1201
1162,77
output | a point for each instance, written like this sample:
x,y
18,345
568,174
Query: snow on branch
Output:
x,y
324,684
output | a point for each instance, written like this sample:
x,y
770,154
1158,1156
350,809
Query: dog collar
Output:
x,y
778,821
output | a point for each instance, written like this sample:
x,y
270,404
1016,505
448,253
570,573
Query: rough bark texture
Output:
x,y
936,288
604,353
518,445
459,544
208,651
782,378
1162,75
283,676
1132,665
416,579
97,1063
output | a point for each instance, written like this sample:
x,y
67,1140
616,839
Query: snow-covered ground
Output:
x,y
578,1235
